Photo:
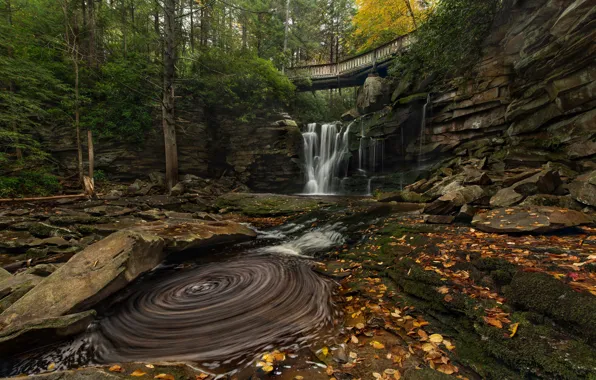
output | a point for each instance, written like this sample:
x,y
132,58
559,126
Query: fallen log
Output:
x,y
55,197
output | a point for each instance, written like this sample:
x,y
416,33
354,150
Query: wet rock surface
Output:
x,y
527,219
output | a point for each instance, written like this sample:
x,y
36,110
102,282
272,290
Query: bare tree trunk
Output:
x,y
169,73
409,6
90,153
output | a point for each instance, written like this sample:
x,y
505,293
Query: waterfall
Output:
x,y
325,157
422,130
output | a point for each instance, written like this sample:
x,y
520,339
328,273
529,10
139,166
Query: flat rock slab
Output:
x,y
529,219
89,277
23,336
268,204
184,234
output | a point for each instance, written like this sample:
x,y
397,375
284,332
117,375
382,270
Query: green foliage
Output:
x,y
310,107
240,83
123,99
29,183
450,41
100,176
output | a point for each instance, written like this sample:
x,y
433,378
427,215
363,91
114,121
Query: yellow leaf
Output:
x,y
267,368
427,347
52,366
436,338
165,376
201,376
325,351
298,377
513,329
149,366
138,373
360,326
116,368
377,345
354,339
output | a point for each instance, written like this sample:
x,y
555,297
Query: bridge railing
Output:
x,y
365,59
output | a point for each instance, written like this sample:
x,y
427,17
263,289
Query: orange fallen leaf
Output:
x,y
116,368
377,345
493,322
165,376
138,373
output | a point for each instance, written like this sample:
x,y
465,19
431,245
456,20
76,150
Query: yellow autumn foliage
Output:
x,y
380,21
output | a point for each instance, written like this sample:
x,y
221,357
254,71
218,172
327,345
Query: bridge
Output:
x,y
350,72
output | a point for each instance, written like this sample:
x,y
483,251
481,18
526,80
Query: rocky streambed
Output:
x,y
316,288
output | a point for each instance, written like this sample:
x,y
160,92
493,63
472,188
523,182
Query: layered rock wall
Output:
x,y
530,101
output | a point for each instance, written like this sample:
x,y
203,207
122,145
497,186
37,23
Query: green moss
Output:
x,y
544,294
412,98
267,204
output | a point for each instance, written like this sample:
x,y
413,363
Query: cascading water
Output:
x,y
422,131
325,155
327,158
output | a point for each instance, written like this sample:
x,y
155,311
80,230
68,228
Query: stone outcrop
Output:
x,y
583,189
90,276
185,234
529,101
262,153
535,219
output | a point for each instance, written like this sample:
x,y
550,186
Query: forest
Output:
x,y
297,189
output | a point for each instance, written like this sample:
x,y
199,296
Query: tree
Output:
x,y
167,106
380,21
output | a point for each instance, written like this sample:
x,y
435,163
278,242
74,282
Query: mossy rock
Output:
x,y
267,204
542,293
413,98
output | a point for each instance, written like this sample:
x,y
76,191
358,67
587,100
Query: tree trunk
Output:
x,y
192,27
92,39
78,114
90,153
286,30
169,73
11,85
409,6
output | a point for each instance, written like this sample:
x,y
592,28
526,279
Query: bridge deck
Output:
x,y
351,71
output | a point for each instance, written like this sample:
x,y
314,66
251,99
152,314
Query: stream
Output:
x,y
218,311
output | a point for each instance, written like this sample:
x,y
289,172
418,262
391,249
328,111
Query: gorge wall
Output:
x,y
263,153
530,101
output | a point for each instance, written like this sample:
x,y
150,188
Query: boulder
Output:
x,y
476,177
466,214
439,219
545,182
15,287
451,201
178,189
583,189
529,219
108,210
402,196
371,95
506,197
350,115
565,201
157,179
88,277
33,333
184,234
